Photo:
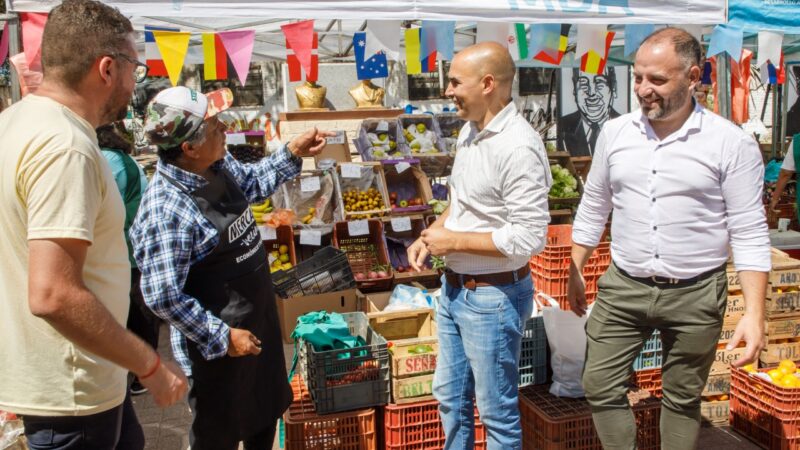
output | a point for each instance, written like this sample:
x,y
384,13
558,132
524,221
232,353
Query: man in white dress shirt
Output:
x,y
496,221
684,185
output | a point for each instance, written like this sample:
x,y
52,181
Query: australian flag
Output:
x,y
375,67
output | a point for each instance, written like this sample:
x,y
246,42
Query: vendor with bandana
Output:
x,y
205,269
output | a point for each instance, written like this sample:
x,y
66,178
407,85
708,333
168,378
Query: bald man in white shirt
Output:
x,y
684,185
496,221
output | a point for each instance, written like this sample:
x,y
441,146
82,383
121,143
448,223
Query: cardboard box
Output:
x,y
716,413
717,385
336,148
350,300
412,389
377,301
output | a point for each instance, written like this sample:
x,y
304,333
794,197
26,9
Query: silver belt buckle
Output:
x,y
669,280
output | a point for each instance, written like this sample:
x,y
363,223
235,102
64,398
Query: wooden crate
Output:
x,y
408,332
284,235
724,358
412,389
715,413
364,252
735,308
728,329
717,385
775,352
344,185
411,183
783,326
783,300
428,277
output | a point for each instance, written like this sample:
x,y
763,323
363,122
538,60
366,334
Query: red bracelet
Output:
x,y
153,370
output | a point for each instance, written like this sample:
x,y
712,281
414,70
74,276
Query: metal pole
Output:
x,y
784,111
723,86
13,49
776,121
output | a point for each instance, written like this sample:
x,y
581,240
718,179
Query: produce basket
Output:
x,y
416,426
364,197
533,357
366,254
281,249
246,153
326,271
764,412
409,190
426,145
397,243
351,378
450,126
567,187
304,429
313,202
559,423
371,147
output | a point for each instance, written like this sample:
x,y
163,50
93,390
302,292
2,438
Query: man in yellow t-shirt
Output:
x,y
65,274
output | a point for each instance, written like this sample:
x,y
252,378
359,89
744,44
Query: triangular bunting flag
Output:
x,y
550,56
438,36
173,47
726,39
239,46
595,63
545,41
517,41
413,65
215,59
374,67
4,44
300,38
635,35
151,54
429,63
492,32
295,69
32,28
383,35
769,47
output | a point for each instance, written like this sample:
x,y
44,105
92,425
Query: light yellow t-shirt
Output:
x,y
55,183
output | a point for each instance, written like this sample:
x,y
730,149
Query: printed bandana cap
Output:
x,y
176,113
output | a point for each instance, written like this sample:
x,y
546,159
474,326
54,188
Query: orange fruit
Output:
x,y
788,364
722,398
775,374
789,382
749,368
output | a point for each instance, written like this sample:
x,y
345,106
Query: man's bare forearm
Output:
x,y
754,291
439,222
580,256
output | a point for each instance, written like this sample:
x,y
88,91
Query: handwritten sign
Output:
x,y
309,184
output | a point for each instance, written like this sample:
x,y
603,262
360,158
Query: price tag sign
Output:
x,y
235,139
267,233
271,258
383,126
358,227
401,224
351,171
338,139
309,184
402,167
311,237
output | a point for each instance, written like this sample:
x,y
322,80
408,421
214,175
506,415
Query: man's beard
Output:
x,y
668,105
116,108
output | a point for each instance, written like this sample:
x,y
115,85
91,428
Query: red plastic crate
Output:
x,y
550,268
555,423
649,380
767,414
353,430
417,426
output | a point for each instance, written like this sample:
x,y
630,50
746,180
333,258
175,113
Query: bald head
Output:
x,y
682,42
489,58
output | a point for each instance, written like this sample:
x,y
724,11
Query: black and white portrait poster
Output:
x,y
793,110
586,102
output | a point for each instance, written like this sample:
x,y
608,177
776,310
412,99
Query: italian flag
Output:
x,y
517,41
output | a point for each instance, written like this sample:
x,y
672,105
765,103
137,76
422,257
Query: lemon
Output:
x,y
284,258
788,364
749,368
283,249
775,374
789,382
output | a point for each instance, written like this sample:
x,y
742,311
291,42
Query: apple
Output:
x,y
382,274
401,269
360,276
403,203
372,275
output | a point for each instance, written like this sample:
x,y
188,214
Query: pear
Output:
x,y
421,128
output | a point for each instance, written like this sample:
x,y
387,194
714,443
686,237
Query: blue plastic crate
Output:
x,y
651,355
533,357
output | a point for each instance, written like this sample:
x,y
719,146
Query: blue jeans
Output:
x,y
480,333
115,429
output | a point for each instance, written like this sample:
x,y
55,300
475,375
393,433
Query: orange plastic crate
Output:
x,y
767,414
556,423
353,430
649,380
416,426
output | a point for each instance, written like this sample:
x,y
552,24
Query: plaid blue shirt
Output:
x,y
170,235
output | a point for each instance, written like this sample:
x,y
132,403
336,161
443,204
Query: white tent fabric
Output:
x,y
555,11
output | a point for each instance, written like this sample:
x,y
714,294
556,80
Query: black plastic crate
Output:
x,y
533,357
326,271
348,379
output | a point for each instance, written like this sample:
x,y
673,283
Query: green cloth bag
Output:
x,y
325,331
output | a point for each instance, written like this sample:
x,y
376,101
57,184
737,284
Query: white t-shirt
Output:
x,y
55,183
788,161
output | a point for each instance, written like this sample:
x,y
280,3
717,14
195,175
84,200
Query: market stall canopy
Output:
x,y
555,11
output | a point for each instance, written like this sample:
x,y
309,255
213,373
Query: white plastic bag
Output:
x,y
405,297
566,336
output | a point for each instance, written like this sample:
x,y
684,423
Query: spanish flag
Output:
x,y
593,63
215,58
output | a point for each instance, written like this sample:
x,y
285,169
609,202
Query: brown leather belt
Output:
x,y
470,282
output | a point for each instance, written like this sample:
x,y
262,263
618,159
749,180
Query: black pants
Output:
x,y
221,440
115,429
141,320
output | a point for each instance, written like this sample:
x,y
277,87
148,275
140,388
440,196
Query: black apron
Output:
x,y
233,399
